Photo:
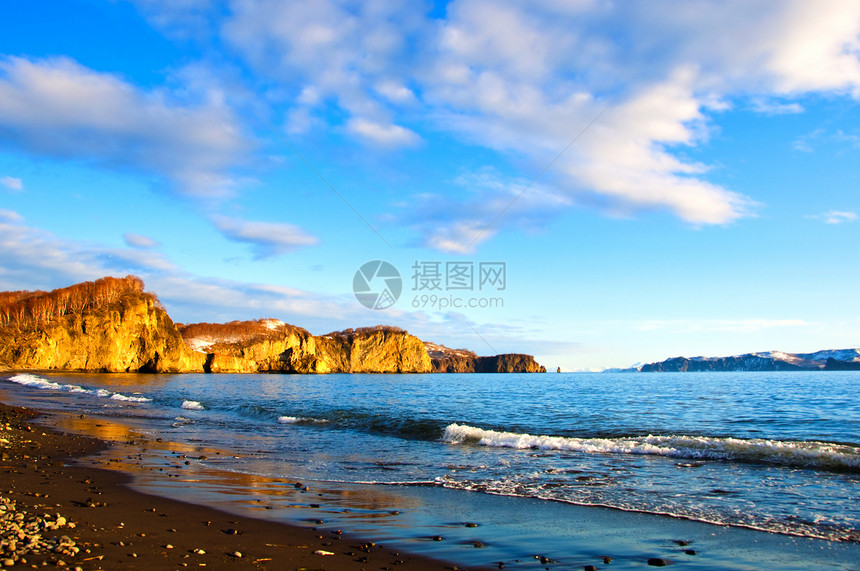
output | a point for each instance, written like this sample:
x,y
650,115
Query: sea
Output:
x,y
748,470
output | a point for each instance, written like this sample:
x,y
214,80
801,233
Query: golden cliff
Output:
x,y
269,345
112,325
109,325
446,360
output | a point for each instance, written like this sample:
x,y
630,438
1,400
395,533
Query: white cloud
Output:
x,y
11,183
458,237
28,255
523,78
395,92
835,217
139,241
345,51
772,107
528,78
485,196
59,108
10,216
268,239
385,135
32,258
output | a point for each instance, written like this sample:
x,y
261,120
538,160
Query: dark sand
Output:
x,y
116,527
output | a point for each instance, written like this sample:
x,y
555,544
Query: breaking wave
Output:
x,y
299,420
812,455
192,405
37,382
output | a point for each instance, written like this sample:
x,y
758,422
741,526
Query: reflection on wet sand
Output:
x,y
192,473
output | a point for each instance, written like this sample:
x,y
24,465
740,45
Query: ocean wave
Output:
x,y
192,405
37,382
814,455
118,396
300,420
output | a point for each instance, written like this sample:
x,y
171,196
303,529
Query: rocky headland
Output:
x,y
113,325
826,360
271,346
446,360
110,325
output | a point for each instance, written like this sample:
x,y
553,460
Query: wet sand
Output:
x,y
116,527
125,525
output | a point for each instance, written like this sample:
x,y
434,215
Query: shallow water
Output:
x,y
770,451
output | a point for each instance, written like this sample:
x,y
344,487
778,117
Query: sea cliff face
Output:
x,y
270,346
133,334
446,360
112,325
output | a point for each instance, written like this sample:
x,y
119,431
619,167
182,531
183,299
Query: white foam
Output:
x,y
821,455
37,382
117,396
192,405
299,420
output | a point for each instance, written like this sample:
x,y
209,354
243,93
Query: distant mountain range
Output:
x,y
827,360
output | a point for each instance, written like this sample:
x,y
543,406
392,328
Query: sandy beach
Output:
x,y
114,527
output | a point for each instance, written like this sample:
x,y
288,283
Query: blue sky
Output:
x,y
655,185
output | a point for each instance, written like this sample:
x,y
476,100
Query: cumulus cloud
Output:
x,y
524,78
59,108
343,51
11,183
267,239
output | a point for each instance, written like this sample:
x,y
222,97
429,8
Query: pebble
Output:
x,y
21,534
237,554
657,562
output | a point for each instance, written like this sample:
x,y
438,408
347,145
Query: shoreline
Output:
x,y
116,526
518,531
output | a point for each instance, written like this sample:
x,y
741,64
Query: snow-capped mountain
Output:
x,y
829,360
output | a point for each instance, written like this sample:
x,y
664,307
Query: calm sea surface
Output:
x,y
778,452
